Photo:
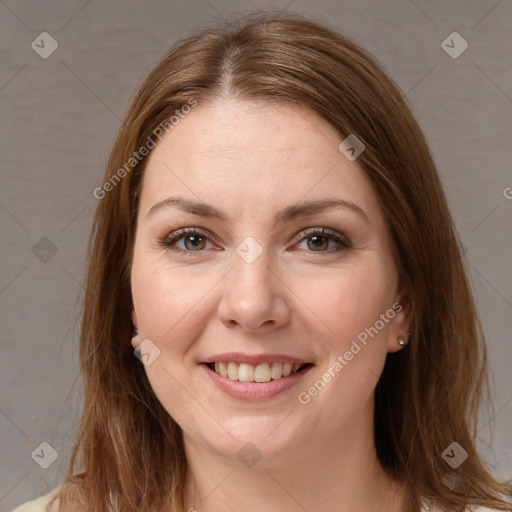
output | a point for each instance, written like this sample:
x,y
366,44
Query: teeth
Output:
x,y
233,371
277,371
223,369
245,372
261,373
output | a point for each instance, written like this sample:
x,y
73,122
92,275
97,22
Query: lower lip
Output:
x,y
255,390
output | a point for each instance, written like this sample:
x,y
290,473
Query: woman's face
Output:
x,y
268,273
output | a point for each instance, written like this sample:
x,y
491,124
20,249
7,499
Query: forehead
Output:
x,y
235,153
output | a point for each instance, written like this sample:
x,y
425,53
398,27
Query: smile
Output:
x,y
259,381
245,372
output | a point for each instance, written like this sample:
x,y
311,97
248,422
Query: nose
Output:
x,y
254,298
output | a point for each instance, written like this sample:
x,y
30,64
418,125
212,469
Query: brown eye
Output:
x,y
193,242
318,243
186,241
323,240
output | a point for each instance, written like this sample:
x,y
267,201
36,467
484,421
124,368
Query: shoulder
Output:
x,y
39,504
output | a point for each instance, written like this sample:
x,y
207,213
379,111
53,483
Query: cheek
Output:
x,y
349,299
168,299
170,305
172,387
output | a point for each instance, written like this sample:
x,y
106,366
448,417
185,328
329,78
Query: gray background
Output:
x,y
59,119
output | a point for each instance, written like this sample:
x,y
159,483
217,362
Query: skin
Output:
x,y
251,160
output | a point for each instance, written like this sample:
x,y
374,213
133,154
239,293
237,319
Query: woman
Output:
x,y
273,240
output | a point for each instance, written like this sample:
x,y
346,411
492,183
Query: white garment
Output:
x,y
39,505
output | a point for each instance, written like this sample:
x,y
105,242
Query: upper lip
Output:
x,y
254,359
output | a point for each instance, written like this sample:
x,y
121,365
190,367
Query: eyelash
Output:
x,y
169,241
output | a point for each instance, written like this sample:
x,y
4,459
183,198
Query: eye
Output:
x,y
322,239
194,240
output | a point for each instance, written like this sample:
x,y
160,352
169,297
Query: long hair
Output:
x,y
128,452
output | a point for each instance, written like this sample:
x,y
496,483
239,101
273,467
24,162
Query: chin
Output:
x,y
258,442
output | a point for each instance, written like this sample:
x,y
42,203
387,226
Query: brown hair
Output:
x,y
129,451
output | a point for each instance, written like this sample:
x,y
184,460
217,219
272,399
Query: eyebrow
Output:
x,y
289,214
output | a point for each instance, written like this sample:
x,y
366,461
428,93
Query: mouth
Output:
x,y
256,377
261,381
261,373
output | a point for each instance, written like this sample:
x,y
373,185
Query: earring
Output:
x,y
404,340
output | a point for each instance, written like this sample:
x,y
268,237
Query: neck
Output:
x,y
336,471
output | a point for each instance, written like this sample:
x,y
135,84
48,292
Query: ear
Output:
x,y
136,339
134,318
401,324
